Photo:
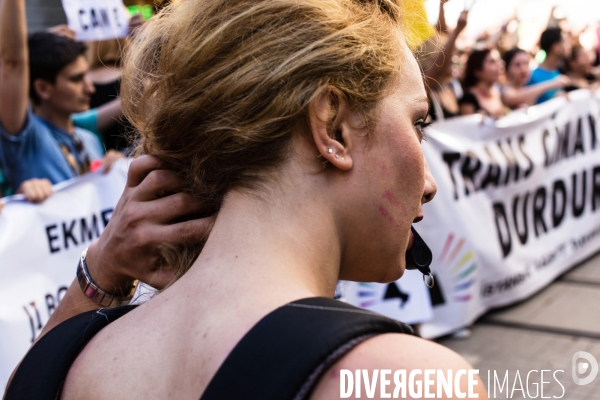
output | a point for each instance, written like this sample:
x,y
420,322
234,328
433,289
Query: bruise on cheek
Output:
x,y
397,203
391,198
384,211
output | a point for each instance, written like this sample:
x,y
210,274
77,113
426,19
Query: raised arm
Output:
x,y
443,59
14,65
441,25
513,98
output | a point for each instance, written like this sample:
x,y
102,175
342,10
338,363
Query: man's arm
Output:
x,y
146,217
14,66
441,26
528,95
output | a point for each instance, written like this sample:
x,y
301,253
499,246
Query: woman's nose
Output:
x,y
430,186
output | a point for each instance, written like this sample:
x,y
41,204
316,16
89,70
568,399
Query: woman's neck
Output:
x,y
285,246
484,88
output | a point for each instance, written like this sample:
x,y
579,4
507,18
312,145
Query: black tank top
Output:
x,y
281,357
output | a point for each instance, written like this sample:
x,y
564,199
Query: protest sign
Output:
x,y
40,246
97,20
518,203
406,299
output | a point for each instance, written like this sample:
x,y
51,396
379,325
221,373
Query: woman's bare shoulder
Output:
x,y
394,356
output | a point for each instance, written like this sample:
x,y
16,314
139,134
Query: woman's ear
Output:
x,y
330,125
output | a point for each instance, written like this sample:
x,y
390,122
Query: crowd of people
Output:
x,y
61,112
490,78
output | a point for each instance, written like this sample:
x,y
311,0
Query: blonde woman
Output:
x,y
301,123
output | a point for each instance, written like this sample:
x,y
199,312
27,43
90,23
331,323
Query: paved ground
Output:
x,y
543,332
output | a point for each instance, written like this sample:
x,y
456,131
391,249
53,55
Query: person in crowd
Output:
x,y
105,69
554,45
579,68
515,93
327,100
480,84
105,73
50,69
105,111
440,76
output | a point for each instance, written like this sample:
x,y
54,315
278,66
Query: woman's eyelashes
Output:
x,y
421,126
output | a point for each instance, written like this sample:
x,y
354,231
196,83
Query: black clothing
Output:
x,y
105,92
115,137
435,106
469,98
281,357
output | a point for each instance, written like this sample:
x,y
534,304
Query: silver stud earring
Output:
x,y
329,150
337,156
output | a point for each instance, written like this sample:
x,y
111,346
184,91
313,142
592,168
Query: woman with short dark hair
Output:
x,y
480,83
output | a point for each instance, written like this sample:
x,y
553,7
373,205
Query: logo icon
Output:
x,y
462,265
393,291
581,367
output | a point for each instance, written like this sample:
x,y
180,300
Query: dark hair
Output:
x,y
549,38
474,63
575,50
48,55
510,55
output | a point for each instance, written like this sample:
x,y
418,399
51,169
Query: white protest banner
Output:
x,y
97,19
518,203
40,246
405,300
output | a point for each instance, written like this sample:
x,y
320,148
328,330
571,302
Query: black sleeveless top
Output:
x,y
281,357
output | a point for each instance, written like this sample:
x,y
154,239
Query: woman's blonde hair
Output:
x,y
217,89
105,52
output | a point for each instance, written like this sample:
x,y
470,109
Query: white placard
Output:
x,y
518,204
97,19
40,246
405,300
